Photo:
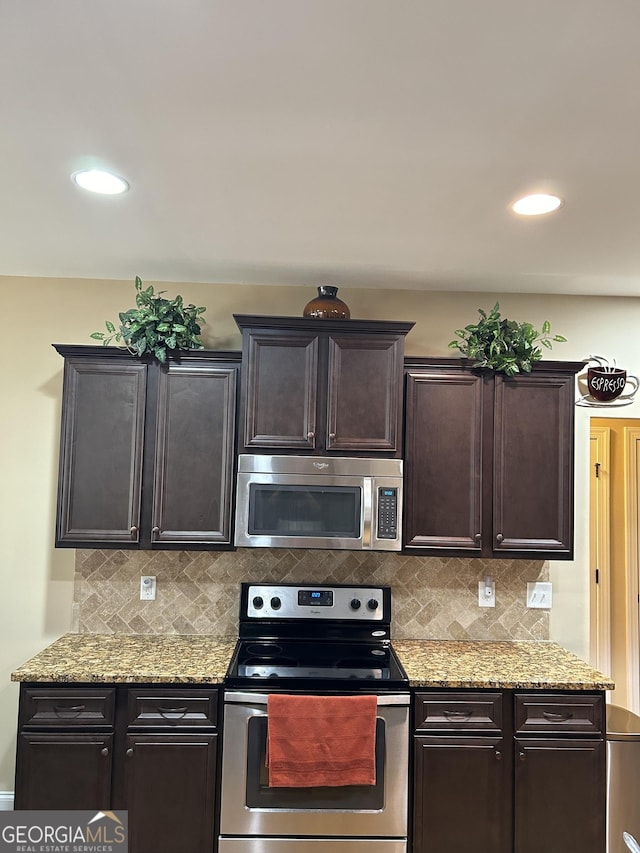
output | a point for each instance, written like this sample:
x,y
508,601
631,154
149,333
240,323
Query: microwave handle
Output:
x,y
367,506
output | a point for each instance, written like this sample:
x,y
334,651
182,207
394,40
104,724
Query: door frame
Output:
x,y
600,547
632,562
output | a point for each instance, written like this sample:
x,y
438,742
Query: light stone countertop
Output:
x,y
203,659
496,664
131,659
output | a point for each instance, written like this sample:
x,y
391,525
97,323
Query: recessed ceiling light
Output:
x,y
537,204
99,181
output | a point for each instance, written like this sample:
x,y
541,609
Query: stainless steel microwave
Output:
x,y
319,502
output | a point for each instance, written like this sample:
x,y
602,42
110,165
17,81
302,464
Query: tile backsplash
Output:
x,y
197,591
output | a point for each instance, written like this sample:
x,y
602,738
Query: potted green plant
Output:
x,y
503,345
156,326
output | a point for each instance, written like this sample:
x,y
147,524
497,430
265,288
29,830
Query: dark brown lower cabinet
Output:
x,y
461,798
559,802
169,785
150,750
509,772
65,770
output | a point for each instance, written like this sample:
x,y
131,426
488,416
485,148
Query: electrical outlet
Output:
x,y
486,592
147,588
539,595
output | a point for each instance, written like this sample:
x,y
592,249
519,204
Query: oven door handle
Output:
x,y
239,697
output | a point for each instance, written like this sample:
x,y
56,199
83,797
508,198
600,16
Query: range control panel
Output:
x,y
265,601
387,513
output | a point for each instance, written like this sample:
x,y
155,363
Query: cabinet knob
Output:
x,y
478,538
498,755
499,538
155,529
129,752
104,751
133,530
522,756
311,436
332,435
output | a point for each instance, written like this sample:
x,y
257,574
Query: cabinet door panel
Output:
x,y
364,402
533,464
443,461
194,454
281,391
462,795
101,452
170,790
560,797
64,771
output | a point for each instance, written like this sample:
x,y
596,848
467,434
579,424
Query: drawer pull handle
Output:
x,y
557,717
457,715
104,751
164,711
61,710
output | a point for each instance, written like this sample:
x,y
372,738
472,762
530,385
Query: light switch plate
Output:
x,y
539,594
147,588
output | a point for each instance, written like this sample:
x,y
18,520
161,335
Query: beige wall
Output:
x,y
37,580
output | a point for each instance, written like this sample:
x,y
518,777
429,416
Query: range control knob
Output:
x,y
276,604
355,604
258,602
372,604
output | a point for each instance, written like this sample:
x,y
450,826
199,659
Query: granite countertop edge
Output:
x,y
203,659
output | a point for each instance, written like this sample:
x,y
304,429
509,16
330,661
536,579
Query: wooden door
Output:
x,y
533,466
443,461
281,390
100,476
364,394
170,792
65,770
461,795
560,797
193,472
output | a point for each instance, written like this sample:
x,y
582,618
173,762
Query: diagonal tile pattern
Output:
x,y
197,591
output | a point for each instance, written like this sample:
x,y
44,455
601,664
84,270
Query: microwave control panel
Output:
x,y
387,513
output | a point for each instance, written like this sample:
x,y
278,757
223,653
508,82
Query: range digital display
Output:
x,y
315,597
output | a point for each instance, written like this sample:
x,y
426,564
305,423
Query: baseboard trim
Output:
x,y
6,801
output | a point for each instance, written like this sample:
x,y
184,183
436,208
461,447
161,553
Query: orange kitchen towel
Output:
x,y
321,740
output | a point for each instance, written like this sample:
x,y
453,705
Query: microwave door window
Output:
x,y
328,511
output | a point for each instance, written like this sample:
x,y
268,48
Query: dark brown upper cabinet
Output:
x,y
321,386
146,450
489,460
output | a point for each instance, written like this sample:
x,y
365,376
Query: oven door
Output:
x,y
250,807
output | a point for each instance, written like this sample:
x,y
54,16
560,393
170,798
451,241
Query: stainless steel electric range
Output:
x,y
315,640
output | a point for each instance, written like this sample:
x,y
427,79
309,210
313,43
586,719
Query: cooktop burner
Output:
x,y
301,637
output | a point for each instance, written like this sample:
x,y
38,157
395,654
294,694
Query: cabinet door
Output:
x,y
443,461
64,771
170,793
533,465
560,799
461,795
364,398
100,453
281,392
193,481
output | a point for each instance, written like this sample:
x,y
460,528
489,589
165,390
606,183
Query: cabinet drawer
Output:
x,y
63,707
458,710
559,714
170,708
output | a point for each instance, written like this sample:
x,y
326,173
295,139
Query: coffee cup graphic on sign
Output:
x,y
607,383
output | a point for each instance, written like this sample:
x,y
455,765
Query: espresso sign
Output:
x,y
609,383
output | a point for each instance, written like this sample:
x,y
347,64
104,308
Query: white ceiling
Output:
x,y
374,143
